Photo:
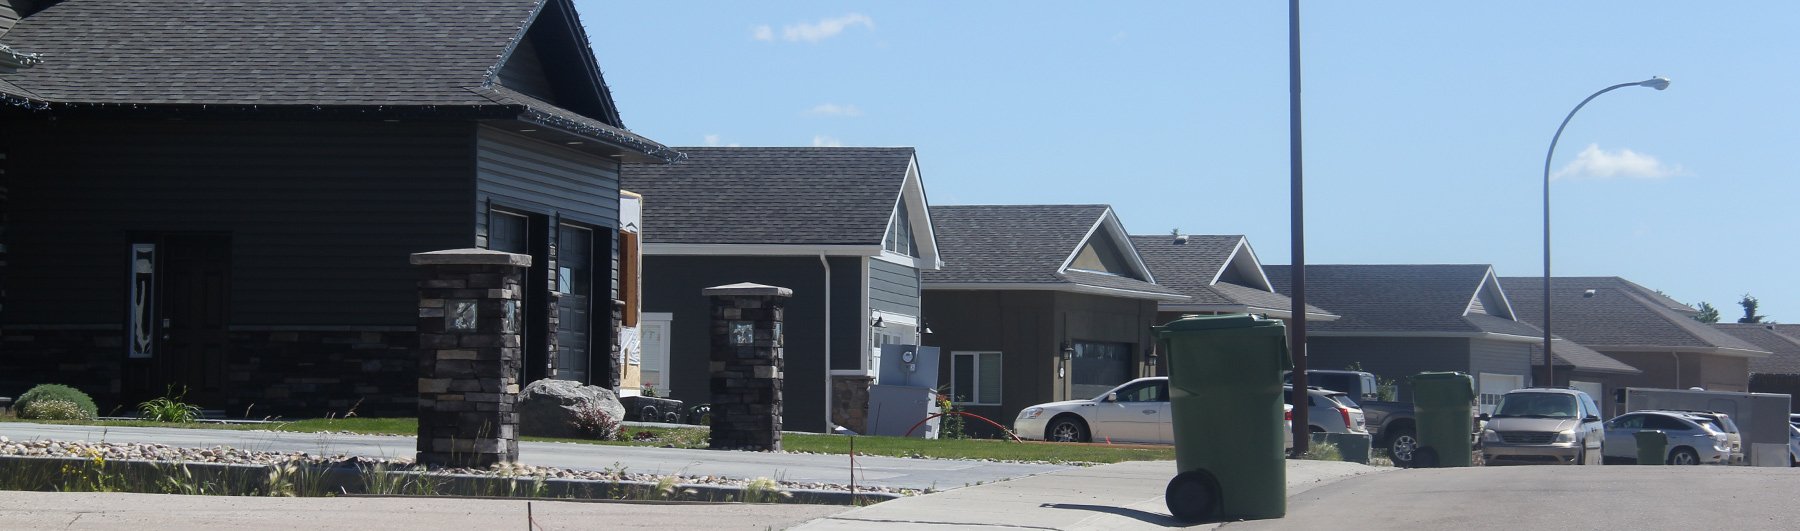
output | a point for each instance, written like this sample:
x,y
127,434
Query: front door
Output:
x,y
189,275
574,310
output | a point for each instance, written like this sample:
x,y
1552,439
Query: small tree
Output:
x,y
1750,316
1708,314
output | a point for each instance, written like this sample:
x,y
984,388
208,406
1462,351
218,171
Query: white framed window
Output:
x,y
975,378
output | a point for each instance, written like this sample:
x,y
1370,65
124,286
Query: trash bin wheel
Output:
x,y
1425,457
1192,496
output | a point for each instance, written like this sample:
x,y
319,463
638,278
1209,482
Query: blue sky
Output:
x,y
1425,122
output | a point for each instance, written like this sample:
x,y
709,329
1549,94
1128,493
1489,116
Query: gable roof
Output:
x,y
1780,340
1393,299
1618,316
798,198
1573,355
1022,247
1194,265
430,56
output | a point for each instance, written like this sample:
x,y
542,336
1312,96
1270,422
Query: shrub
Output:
x,y
54,410
1320,450
592,421
56,392
169,408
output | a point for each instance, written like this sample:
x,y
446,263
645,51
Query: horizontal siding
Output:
x,y
893,288
1499,357
322,215
537,177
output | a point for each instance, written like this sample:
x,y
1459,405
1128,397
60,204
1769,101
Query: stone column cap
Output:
x,y
471,256
747,289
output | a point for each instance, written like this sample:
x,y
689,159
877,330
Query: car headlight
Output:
x,y
1031,412
1567,436
1490,436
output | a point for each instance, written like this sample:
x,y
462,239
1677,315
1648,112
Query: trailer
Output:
x,y
1762,418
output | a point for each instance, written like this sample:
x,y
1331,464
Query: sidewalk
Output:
x,y
1118,496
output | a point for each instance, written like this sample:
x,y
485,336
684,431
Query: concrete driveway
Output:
x,y
807,468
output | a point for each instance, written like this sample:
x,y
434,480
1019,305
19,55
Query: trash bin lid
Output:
x,y
1193,323
1438,376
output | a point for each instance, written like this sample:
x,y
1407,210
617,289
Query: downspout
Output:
x,y
827,265
1677,356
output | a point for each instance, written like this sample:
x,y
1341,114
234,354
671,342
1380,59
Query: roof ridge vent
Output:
x,y
1181,239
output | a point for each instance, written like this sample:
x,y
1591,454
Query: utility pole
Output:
x,y
1297,332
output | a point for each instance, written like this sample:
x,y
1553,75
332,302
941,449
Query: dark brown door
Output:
x,y
574,312
194,289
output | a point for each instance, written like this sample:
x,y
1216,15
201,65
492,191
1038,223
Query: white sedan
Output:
x,y
1134,412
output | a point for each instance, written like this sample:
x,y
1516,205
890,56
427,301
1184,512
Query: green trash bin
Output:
x,y
1225,393
1653,447
1442,411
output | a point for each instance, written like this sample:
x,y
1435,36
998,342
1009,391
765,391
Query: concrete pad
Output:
x,y
1117,496
141,512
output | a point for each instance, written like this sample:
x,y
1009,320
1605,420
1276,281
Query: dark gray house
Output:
x,y
1780,371
1640,327
1218,274
848,229
1401,320
1038,303
222,196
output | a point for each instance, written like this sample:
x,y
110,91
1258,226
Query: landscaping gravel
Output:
x,y
229,455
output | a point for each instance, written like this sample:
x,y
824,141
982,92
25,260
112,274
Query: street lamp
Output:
x,y
1658,83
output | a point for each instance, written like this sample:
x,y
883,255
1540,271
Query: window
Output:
x,y
900,236
1629,422
1098,367
1152,391
975,378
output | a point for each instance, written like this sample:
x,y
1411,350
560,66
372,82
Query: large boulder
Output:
x,y
547,408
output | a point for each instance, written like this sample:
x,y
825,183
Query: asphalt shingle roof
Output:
x,y
1190,268
267,52
1396,298
1784,348
1020,244
772,195
1581,358
1618,314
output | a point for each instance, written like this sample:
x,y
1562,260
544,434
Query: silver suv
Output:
x,y
1543,426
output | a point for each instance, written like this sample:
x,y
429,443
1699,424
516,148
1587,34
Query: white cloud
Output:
x,y
833,109
1596,163
825,28
826,141
714,141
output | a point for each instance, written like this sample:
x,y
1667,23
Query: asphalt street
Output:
x,y
1550,497
874,471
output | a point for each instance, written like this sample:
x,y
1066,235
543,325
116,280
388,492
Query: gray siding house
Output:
x,y
1218,274
1638,326
848,229
1038,303
1401,320
198,200
1780,371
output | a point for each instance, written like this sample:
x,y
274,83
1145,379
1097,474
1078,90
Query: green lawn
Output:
x,y
696,438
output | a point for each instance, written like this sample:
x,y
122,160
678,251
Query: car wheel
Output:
x,y
1684,456
1581,455
1066,429
1610,460
1401,446
1192,496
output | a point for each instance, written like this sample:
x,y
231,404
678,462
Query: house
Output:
x,y
1218,274
1038,303
1780,371
848,229
1401,320
1640,327
222,196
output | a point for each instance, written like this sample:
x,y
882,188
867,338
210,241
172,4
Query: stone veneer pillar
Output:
x,y
746,365
469,356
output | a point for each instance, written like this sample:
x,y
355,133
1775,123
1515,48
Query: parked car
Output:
x,y
1793,444
1329,411
1390,423
1137,411
1693,439
1543,426
1731,432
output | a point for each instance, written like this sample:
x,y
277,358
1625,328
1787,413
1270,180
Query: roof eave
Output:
x,y
1071,287
635,148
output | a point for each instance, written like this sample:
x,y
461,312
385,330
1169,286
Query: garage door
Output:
x,y
1490,386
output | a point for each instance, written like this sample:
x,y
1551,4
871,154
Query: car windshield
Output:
x,y
1537,405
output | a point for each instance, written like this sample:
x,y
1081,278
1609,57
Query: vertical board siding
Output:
x,y
321,215
893,288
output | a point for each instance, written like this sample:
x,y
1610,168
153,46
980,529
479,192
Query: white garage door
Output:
x,y
1490,386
